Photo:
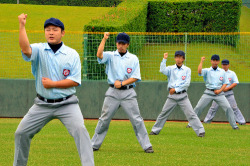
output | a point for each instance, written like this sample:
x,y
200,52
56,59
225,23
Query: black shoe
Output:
x,y
149,150
201,135
242,123
152,133
188,126
94,149
236,128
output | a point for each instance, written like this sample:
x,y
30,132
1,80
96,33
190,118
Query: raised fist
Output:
x,y
22,18
165,55
106,35
202,59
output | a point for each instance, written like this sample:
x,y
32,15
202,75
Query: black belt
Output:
x,y
123,87
211,89
180,92
52,100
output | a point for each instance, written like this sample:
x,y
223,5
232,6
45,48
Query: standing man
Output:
x,y
229,94
57,71
179,77
123,71
216,81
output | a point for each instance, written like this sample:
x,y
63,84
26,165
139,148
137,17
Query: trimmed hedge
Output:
x,y
162,16
195,16
129,16
94,3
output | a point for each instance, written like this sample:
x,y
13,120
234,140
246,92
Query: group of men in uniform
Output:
x,y
57,71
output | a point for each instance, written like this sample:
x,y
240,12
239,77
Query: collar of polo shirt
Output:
x,y
61,49
125,55
181,66
216,69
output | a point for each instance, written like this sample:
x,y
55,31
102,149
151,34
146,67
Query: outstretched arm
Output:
x,y
23,38
101,46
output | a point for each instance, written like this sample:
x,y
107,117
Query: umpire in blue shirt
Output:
x,y
216,81
57,71
123,71
179,77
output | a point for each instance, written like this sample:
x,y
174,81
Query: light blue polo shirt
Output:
x,y
214,79
232,77
120,67
64,64
179,79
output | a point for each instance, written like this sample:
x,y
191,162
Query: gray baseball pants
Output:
x,y
209,96
68,112
184,103
127,100
214,108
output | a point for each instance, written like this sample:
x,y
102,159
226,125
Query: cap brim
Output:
x,y
122,41
54,25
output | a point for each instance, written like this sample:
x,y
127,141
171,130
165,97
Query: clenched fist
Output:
x,y
48,83
165,55
22,19
106,35
203,59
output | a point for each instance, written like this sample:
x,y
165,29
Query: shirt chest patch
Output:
x,y
230,79
221,78
183,77
129,70
66,72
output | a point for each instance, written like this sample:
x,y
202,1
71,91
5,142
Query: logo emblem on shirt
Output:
x,y
221,78
129,70
229,79
66,72
183,77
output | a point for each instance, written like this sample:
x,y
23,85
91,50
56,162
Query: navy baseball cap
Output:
x,y
215,57
122,38
225,62
54,21
180,53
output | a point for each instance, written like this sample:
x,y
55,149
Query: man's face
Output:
x,y
122,47
54,34
215,63
225,66
179,59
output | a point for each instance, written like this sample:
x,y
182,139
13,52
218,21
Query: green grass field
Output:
x,y
74,18
176,145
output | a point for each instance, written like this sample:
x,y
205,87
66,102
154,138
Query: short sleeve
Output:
x,y
136,72
235,78
225,79
35,53
164,69
203,72
106,57
75,74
